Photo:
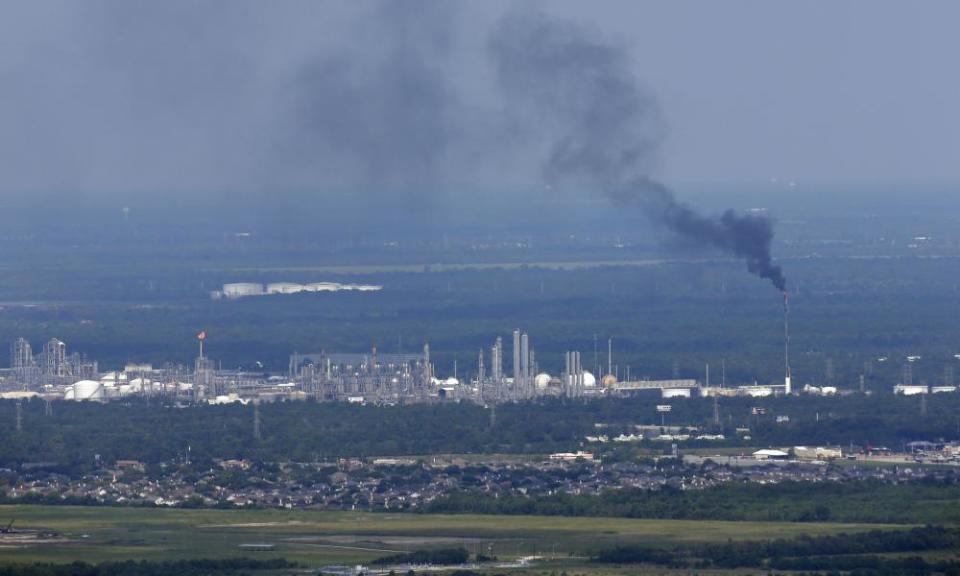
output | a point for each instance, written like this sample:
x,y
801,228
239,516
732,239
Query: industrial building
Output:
x,y
360,377
52,367
666,388
241,290
249,289
817,453
373,377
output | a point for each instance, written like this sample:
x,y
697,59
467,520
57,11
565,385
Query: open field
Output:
x,y
319,538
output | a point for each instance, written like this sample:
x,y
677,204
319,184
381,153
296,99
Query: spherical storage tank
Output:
x,y
87,390
589,380
542,380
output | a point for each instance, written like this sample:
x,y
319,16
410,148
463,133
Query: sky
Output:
x,y
129,98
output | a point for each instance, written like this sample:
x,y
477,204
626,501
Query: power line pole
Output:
x,y
19,416
256,420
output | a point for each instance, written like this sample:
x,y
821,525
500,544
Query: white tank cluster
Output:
x,y
84,390
113,385
247,289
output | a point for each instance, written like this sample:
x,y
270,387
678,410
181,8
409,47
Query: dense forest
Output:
x,y
859,553
152,432
856,501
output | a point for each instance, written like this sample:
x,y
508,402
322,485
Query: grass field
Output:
x,y
319,538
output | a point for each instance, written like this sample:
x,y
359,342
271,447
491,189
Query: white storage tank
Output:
x,y
323,287
542,380
589,380
87,390
284,288
242,289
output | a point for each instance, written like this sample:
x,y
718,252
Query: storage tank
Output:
x,y
589,380
87,390
242,289
284,288
323,287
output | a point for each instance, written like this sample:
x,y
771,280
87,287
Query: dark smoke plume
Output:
x,y
603,129
745,236
380,110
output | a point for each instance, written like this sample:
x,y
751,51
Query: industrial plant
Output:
x,y
375,377
250,289
357,377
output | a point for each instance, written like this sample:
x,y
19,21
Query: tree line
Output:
x,y
867,501
857,552
154,431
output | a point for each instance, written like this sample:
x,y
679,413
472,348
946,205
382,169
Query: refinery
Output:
x,y
508,370
364,377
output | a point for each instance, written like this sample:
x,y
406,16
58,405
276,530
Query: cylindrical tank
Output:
x,y
87,390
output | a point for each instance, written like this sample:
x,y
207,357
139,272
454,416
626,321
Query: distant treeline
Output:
x,y
442,556
149,431
227,567
860,501
843,552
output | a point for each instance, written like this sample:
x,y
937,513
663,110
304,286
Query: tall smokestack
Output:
x,y
516,363
524,365
786,343
610,355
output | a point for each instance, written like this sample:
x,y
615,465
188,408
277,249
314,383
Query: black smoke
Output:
x,y
602,129
380,110
745,236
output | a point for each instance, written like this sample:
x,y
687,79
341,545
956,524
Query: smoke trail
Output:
x,y
603,129
745,236
379,111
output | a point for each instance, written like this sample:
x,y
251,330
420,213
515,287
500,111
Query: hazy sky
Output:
x,y
128,97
